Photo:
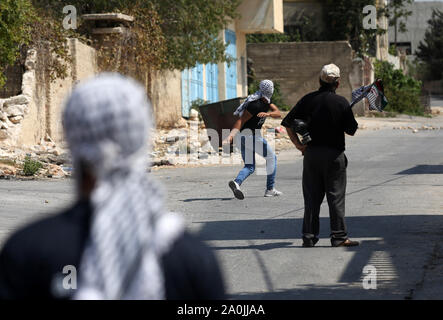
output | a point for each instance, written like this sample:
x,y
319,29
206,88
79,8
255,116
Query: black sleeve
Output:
x,y
295,113
191,271
350,124
12,274
253,108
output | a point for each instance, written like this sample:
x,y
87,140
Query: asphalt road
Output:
x,y
394,206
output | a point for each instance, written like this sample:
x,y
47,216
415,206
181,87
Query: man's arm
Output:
x,y
13,282
287,123
237,126
295,140
274,113
351,124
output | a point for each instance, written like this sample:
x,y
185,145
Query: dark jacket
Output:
x,y
33,257
329,117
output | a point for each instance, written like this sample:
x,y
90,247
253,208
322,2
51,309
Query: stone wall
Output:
x,y
35,114
296,65
14,109
166,99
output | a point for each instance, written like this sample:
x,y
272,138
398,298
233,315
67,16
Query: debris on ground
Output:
x,y
168,144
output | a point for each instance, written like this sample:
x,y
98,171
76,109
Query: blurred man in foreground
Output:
x,y
118,238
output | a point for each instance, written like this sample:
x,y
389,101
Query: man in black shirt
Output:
x,y
253,113
329,117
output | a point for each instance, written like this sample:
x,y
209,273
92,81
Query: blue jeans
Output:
x,y
250,145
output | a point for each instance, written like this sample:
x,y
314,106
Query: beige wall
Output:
x,y
46,106
263,16
296,66
166,98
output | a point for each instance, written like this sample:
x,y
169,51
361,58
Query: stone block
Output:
x,y
16,119
15,110
20,99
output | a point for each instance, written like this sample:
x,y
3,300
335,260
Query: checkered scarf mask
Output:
x,y
266,90
106,123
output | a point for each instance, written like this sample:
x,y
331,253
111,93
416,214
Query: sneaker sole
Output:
x,y
272,195
237,193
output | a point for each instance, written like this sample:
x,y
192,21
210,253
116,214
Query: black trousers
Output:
x,y
324,172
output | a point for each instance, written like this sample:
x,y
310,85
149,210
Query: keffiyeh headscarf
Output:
x,y
266,90
107,122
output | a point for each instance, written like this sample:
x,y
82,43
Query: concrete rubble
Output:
x,y
13,109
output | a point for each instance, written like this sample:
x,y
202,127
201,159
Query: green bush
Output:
x,y
402,91
31,167
277,97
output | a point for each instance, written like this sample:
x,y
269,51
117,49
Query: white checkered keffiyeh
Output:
x,y
106,122
266,90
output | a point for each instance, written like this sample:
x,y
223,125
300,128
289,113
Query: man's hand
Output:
x,y
263,115
301,147
228,140
296,141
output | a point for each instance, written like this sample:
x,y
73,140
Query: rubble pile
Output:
x,y
55,162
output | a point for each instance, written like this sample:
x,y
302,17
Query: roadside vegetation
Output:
x,y
31,167
166,34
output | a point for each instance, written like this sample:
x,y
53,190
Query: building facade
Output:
x,y
227,80
416,26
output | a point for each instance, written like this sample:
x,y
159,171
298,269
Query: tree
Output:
x,y
345,22
15,29
430,52
396,12
166,34
191,29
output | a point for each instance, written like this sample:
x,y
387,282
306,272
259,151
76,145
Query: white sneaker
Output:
x,y
236,189
273,193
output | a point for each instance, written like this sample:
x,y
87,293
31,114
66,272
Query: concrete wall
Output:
x,y
166,99
41,101
296,66
417,23
264,16
84,66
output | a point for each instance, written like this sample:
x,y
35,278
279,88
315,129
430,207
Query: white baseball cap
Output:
x,y
330,73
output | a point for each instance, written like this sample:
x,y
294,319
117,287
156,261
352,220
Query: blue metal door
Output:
x,y
212,82
197,82
231,68
192,87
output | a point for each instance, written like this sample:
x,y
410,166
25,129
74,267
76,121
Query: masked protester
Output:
x,y
118,238
253,113
328,117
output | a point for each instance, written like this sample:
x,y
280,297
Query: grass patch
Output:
x,y
31,167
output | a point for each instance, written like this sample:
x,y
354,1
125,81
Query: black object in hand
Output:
x,y
301,127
